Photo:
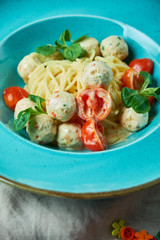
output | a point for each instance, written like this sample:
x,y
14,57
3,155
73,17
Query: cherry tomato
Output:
x,y
143,64
95,103
132,79
127,233
12,95
92,135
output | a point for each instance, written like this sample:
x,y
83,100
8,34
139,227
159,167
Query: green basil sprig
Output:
x,y
46,50
38,100
138,100
70,52
24,116
81,38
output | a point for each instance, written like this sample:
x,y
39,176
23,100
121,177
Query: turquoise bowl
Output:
x,y
121,168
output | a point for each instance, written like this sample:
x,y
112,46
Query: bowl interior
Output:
x,y
25,40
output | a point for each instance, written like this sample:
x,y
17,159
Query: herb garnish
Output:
x,y
46,50
24,116
138,100
70,52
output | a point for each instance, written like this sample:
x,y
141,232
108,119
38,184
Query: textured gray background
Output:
x,y
29,216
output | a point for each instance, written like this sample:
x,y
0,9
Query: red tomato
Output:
x,y
143,64
12,95
95,103
151,100
92,135
132,79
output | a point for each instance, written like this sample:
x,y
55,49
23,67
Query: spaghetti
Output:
x,y
64,75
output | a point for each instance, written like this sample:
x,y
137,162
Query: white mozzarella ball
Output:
x,y
27,65
69,136
23,104
133,121
41,129
114,46
61,106
97,74
91,43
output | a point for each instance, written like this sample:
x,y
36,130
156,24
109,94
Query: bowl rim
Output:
x,y
123,25
68,194
88,195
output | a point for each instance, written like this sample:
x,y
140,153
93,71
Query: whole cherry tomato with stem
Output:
x,y
93,103
12,95
142,64
92,135
133,80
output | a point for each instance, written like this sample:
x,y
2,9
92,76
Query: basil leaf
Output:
x,y
147,79
158,93
158,90
21,113
67,53
38,100
46,50
127,95
76,50
39,109
65,36
83,53
23,116
59,45
24,111
35,98
81,38
151,92
20,122
73,52
62,38
140,104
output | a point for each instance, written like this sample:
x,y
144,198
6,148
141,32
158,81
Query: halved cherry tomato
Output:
x,y
12,95
92,135
132,79
95,103
143,64
127,233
